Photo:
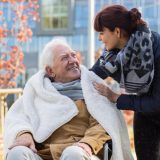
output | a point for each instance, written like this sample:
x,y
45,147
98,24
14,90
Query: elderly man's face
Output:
x,y
65,65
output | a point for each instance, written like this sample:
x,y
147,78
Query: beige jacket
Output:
x,y
82,128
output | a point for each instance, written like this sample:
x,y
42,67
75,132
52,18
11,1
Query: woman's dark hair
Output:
x,y
118,16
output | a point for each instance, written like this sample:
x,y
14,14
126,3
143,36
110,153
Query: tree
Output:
x,y
18,28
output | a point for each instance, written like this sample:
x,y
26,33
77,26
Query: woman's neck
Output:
x,y
123,42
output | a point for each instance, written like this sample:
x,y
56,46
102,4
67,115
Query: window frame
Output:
x,y
62,31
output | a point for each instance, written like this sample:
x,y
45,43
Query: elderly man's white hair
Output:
x,y
47,56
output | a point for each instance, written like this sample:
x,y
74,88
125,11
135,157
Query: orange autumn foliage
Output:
x,y
11,55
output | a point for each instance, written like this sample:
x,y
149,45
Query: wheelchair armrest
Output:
x,y
107,150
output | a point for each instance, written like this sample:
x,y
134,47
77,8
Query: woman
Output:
x,y
132,56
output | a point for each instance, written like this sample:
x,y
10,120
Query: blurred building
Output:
x,y
68,19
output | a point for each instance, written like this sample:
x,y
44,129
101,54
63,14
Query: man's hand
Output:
x,y
24,140
85,147
105,91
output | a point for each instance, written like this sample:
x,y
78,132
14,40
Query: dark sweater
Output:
x,y
149,102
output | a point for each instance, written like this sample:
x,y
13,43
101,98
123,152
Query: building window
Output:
x,y
81,20
56,17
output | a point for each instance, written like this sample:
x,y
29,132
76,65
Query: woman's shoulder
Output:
x,y
156,44
156,37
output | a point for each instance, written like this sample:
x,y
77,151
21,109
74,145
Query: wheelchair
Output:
x,y
107,150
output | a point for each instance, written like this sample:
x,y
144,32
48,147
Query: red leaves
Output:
x,y
1,13
11,67
3,33
12,1
23,35
11,60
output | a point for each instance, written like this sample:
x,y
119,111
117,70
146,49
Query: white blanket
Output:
x,y
42,109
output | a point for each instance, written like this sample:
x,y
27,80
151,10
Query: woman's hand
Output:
x,y
105,91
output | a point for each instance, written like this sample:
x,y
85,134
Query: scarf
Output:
x,y
136,62
72,89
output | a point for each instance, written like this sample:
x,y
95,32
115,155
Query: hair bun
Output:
x,y
135,17
135,14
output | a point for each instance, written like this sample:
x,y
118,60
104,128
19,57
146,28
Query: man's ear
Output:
x,y
117,31
49,71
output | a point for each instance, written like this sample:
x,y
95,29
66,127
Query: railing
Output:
x,y
4,108
3,104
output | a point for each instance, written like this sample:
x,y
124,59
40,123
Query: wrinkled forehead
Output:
x,y
62,49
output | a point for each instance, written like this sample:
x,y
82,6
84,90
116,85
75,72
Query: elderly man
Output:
x,y
59,115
